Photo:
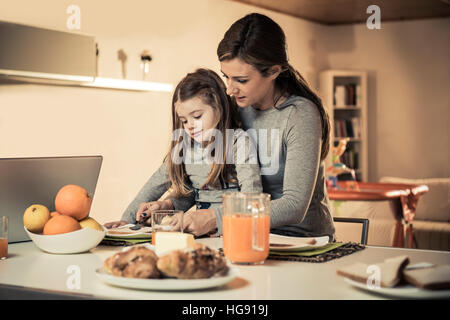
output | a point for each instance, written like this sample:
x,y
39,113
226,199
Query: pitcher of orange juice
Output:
x,y
246,227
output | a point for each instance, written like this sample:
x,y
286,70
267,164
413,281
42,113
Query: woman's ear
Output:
x,y
275,71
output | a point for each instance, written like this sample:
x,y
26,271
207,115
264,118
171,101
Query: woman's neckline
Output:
x,y
280,102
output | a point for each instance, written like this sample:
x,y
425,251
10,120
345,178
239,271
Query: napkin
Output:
x,y
125,241
390,271
308,253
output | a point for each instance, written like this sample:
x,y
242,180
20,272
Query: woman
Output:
x,y
289,122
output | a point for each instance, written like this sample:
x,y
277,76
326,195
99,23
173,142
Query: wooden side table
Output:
x,y
405,196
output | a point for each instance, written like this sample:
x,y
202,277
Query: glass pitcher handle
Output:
x,y
257,238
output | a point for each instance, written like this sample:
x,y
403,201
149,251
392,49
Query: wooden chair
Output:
x,y
364,222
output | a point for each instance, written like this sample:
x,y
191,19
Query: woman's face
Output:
x,y
197,117
247,84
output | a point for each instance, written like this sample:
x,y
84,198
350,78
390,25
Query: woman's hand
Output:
x,y
146,207
115,224
200,222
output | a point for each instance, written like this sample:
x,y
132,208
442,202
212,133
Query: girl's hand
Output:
x,y
200,222
115,224
146,207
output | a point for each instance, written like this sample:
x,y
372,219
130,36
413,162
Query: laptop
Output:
x,y
27,181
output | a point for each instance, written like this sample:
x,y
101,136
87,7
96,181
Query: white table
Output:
x,y
34,272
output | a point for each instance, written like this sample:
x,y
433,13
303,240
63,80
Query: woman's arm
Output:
x,y
247,169
303,146
246,163
184,203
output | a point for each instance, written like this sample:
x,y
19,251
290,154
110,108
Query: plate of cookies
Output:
x,y
139,267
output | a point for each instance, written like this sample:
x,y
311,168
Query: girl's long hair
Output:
x,y
208,86
259,41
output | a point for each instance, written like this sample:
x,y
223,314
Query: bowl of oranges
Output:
x,y
68,229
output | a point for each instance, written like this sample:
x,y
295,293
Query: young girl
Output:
x,y
209,155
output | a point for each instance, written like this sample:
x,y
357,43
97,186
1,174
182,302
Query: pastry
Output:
x,y
137,262
199,262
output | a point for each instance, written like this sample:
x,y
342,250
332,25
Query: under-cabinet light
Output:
x,y
129,85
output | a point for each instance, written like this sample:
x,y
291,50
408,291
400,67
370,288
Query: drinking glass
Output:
x,y
167,221
246,227
3,237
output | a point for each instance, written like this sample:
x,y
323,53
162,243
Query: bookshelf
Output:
x,y
344,95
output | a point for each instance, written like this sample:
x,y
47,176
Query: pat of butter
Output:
x,y
168,241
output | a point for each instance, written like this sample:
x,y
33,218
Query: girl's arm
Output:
x,y
153,189
303,146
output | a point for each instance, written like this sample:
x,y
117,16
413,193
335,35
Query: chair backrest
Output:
x,y
347,232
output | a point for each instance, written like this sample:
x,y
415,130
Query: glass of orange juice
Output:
x,y
246,227
3,238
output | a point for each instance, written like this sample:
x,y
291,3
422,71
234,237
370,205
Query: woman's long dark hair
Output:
x,y
208,86
259,41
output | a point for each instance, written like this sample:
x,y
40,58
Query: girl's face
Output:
x,y
248,85
197,118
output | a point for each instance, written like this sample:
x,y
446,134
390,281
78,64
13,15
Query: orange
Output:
x,y
61,224
54,213
74,201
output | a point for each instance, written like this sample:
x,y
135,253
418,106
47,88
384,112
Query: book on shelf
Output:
x,y
356,127
358,97
351,159
347,95
347,128
351,91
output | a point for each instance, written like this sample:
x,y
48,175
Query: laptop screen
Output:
x,y
27,181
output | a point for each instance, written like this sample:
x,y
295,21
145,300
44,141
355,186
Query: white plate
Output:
x,y
166,284
406,291
283,243
126,232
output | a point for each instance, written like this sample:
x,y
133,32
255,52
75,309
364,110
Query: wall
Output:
x,y
409,81
130,129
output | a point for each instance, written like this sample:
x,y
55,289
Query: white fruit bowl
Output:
x,y
72,242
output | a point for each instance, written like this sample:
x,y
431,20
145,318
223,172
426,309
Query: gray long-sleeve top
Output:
x,y
198,168
289,146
